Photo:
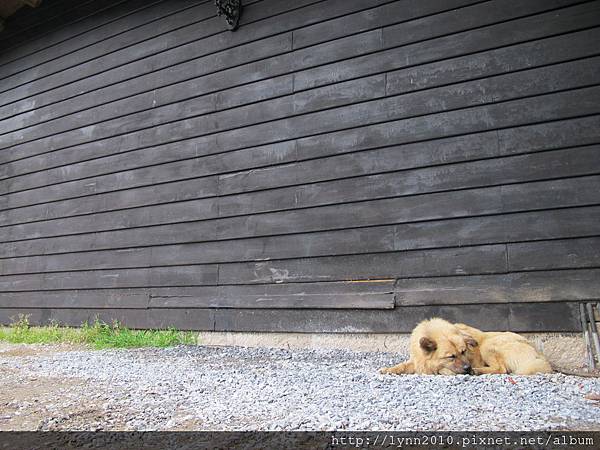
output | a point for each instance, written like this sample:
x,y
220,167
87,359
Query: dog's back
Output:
x,y
518,355
506,352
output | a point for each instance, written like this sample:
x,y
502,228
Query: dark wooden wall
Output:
x,y
337,165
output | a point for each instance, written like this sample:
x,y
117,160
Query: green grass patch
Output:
x,y
98,335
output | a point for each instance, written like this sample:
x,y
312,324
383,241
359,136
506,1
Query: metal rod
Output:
x,y
586,337
594,329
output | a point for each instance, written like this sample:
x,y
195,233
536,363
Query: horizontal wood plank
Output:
x,y
526,317
559,254
493,317
378,294
301,58
529,287
202,245
512,110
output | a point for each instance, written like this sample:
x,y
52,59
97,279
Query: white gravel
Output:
x,y
234,388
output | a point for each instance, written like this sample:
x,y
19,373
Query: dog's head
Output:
x,y
439,347
447,355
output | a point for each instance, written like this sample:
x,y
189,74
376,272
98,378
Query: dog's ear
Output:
x,y
427,344
470,341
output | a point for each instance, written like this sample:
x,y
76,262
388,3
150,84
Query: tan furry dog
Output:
x,y
504,352
437,347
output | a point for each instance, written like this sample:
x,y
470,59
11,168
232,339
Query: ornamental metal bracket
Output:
x,y
232,10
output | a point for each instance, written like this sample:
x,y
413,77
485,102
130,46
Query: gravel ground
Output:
x,y
234,388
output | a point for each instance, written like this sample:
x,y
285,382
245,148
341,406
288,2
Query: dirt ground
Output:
x,y
51,403
30,403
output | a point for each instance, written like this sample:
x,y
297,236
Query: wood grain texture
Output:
x,y
518,226
377,294
529,287
516,317
332,166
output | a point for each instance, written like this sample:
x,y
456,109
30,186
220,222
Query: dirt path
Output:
x,y
38,402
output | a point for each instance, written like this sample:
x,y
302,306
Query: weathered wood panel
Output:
x,y
518,317
373,294
98,43
566,163
331,166
111,19
329,215
527,226
533,287
512,316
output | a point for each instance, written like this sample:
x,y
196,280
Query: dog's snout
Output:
x,y
467,368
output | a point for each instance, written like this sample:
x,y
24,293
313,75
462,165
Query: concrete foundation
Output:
x,y
563,350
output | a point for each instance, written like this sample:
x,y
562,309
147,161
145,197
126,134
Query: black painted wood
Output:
x,y
185,319
528,226
377,294
60,41
576,18
280,214
530,287
332,166
560,254
137,27
517,317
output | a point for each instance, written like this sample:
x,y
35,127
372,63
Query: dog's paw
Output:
x,y
385,370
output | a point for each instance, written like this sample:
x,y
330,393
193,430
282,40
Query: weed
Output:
x,y
98,334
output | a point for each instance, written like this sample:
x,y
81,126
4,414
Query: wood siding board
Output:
x,y
203,118
491,35
25,24
463,203
524,56
556,317
512,58
382,16
555,254
187,319
402,320
74,153
515,227
245,74
102,299
439,262
185,59
506,141
363,295
344,242
482,117
356,115
112,49
526,287
558,77
484,259
551,316
198,275
332,166
115,19
563,163
406,209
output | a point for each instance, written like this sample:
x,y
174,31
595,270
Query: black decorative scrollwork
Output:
x,y
232,10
